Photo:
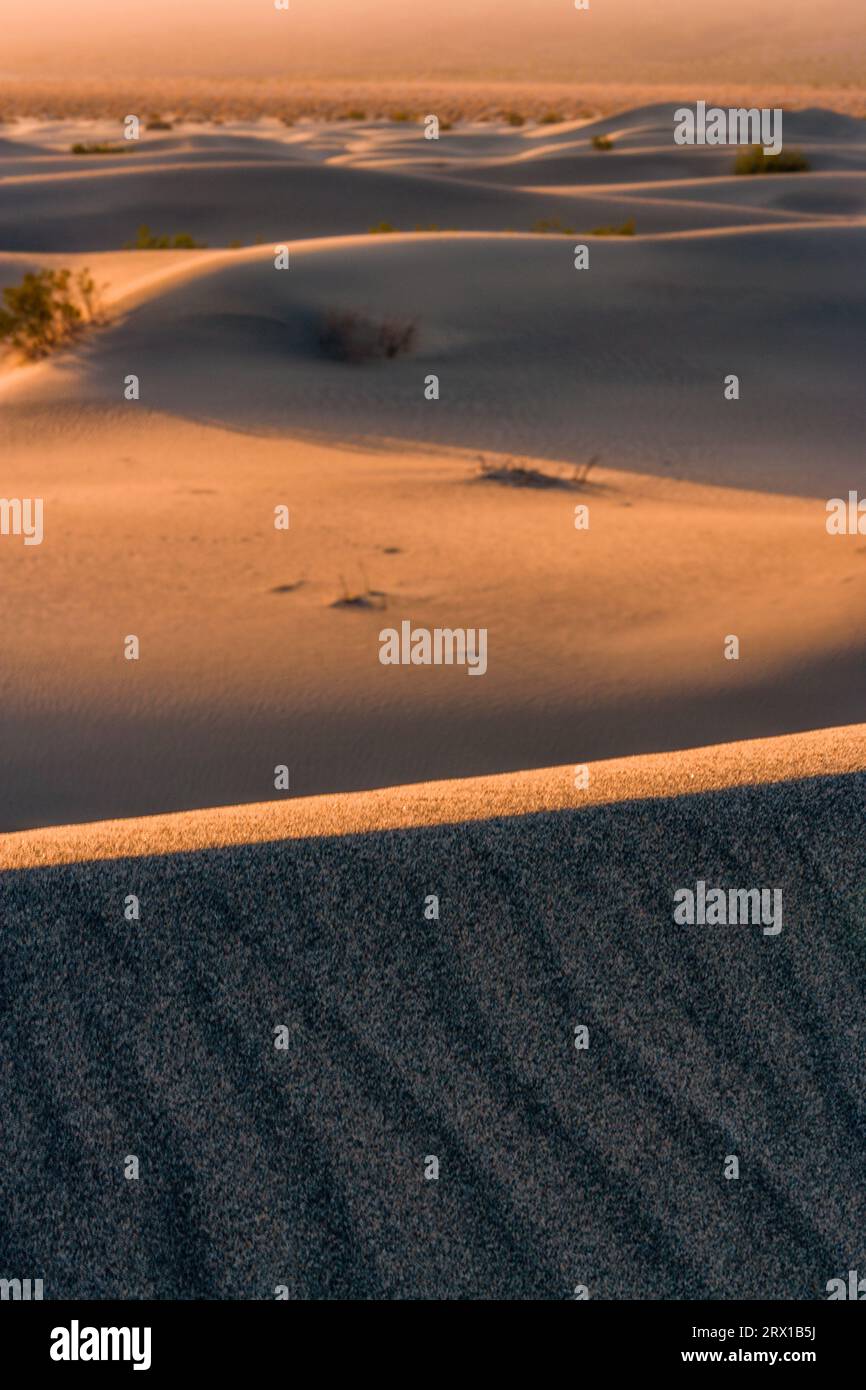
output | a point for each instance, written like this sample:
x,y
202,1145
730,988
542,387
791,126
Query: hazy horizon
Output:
x,y
616,40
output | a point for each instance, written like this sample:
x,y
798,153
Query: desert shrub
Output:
x,y
47,310
147,241
512,118
349,336
551,118
401,116
602,142
104,149
627,229
382,228
517,473
355,115
157,123
754,161
361,596
552,225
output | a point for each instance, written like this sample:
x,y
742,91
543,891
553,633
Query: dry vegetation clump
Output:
x,y
361,597
602,142
350,336
103,149
551,226
48,310
517,473
626,229
754,161
146,240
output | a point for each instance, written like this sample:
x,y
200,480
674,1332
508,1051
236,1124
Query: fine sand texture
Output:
x,y
410,1037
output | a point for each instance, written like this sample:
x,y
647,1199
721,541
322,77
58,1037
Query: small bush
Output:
x,y
551,118
515,473
401,116
754,161
513,118
602,142
354,115
157,123
147,241
382,228
627,229
104,149
47,310
552,225
350,336
361,597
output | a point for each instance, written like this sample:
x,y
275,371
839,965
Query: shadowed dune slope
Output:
x,y
454,1038
533,356
263,183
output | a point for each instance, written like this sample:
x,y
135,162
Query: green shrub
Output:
x,y
147,241
552,225
754,161
627,229
104,149
47,310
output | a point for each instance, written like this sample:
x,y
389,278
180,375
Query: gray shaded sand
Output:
x,y
409,1038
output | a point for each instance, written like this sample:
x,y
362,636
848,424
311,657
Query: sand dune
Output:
x,y
407,1036
532,355
707,516
600,642
270,181
453,1038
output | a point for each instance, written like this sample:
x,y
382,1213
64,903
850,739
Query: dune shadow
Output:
x,y
289,1030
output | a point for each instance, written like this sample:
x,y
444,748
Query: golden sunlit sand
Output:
x,y
760,762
